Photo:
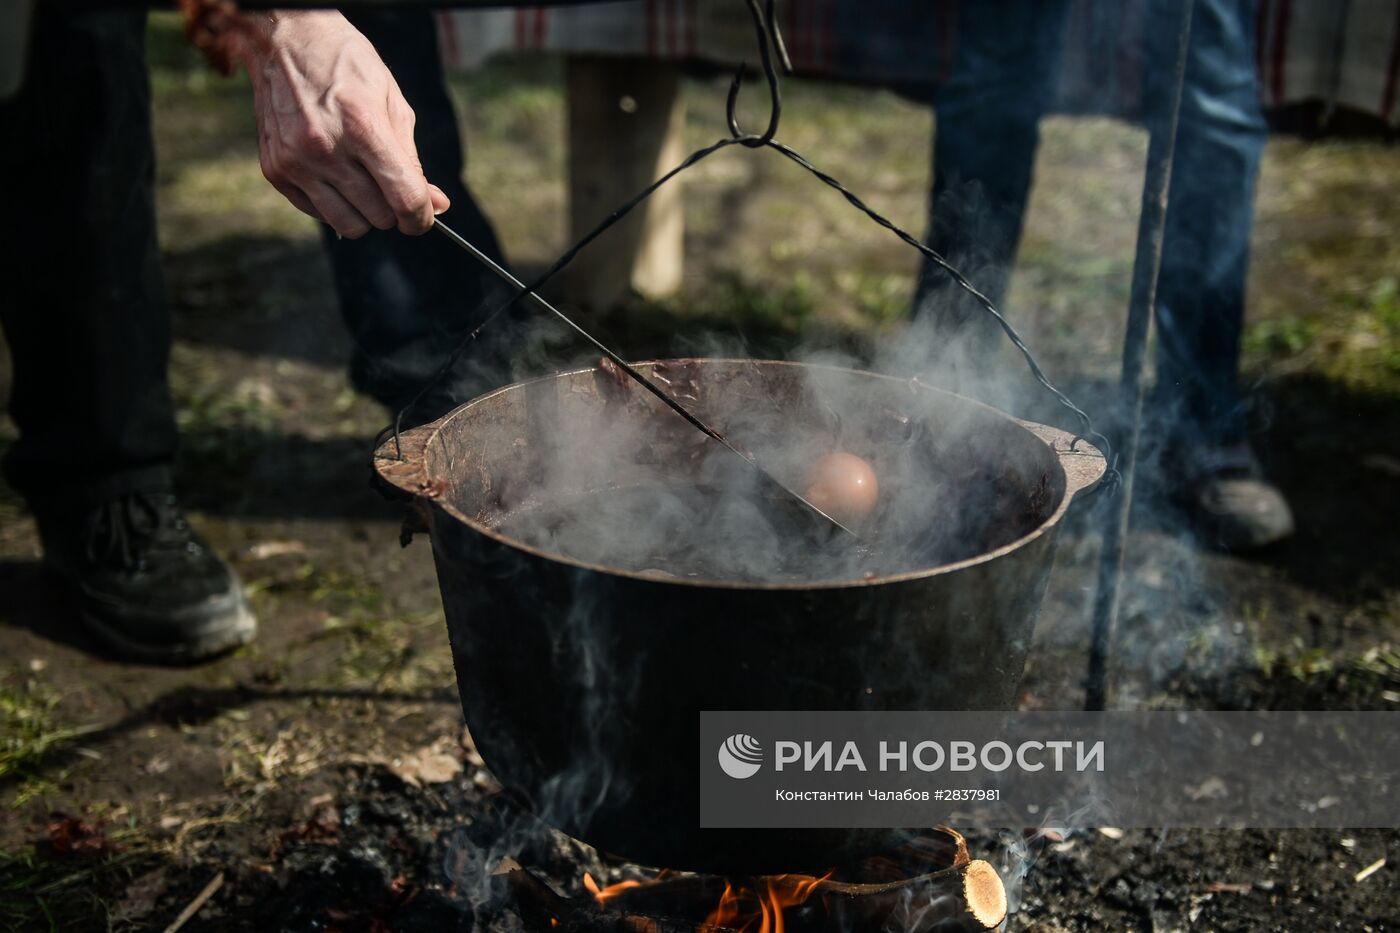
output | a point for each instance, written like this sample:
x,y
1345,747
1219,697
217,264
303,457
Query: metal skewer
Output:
x,y
640,379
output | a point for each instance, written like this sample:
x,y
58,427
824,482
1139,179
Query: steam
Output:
x,y
689,510
731,534
625,484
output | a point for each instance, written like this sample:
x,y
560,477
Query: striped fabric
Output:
x,y
1338,54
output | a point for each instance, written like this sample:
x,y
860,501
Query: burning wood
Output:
x,y
748,908
603,895
543,909
963,894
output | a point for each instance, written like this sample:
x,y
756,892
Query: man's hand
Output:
x,y
335,135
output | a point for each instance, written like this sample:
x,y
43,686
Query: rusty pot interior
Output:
x,y
588,469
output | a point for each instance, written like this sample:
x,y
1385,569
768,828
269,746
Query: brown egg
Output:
x,y
843,486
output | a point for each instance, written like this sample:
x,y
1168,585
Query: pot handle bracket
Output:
x,y
401,475
1084,464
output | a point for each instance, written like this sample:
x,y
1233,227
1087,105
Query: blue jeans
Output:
x,y
1007,56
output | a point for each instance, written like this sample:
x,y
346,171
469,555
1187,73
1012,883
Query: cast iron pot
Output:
x,y
582,683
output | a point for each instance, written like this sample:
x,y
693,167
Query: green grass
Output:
x,y
749,306
1368,354
1368,678
1281,337
70,893
29,731
37,892
1355,343
22,906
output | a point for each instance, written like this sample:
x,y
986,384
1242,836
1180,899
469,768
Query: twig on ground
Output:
x,y
1230,887
198,902
1370,869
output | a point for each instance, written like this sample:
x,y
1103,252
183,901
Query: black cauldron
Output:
x,y
582,683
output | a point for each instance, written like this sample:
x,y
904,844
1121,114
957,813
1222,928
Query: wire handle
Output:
x,y
771,45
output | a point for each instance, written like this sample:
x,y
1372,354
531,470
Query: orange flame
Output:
x,y
603,895
748,911
743,909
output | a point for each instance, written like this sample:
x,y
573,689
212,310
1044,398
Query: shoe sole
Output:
x,y
222,633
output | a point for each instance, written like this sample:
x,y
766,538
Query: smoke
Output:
x,y
523,830
595,470
606,476
698,512
609,477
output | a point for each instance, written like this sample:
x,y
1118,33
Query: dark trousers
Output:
x,y
1007,58
84,302
408,301
84,307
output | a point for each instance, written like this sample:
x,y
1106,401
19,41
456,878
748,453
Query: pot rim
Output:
x,y
1089,472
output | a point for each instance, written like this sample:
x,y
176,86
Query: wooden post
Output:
x,y
626,120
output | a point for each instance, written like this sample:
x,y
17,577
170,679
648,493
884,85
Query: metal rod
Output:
x,y
1147,267
636,374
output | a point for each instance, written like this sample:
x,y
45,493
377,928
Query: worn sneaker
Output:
x,y
1241,513
1232,505
147,584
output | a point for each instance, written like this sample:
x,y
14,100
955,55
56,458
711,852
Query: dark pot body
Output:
x,y
582,685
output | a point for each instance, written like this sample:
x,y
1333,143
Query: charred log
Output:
x,y
929,885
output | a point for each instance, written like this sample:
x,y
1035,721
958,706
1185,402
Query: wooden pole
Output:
x,y
626,127
1132,385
